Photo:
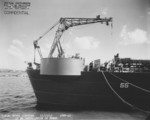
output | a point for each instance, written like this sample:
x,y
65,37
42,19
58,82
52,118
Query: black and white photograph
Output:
x,y
74,59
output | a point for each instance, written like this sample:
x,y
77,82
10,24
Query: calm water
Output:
x,y
17,102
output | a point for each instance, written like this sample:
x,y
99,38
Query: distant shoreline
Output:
x,y
12,73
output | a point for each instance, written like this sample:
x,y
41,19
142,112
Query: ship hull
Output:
x,y
92,90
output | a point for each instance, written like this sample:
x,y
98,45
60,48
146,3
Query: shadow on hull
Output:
x,y
71,108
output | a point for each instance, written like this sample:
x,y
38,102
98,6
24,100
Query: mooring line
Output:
x,y
131,83
123,100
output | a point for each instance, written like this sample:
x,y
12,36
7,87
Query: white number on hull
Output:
x,y
124,85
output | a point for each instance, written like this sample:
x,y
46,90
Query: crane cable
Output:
x,y
143,89
123,100
47,31
36,41
111,28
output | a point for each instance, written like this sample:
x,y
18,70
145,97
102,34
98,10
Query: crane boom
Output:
x,y
65,23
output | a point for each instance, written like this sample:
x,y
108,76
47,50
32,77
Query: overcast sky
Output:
x,y
130,36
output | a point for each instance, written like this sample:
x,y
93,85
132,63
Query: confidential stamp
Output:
x,y
16,8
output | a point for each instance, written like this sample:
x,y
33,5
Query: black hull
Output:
x,y
91,90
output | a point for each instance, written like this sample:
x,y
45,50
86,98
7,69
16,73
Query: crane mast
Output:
x,y
65,23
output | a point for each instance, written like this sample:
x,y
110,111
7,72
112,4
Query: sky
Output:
x,y
130,35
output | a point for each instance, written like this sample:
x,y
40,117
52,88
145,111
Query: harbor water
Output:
x,y
18,102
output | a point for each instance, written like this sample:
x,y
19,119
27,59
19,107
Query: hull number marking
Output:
x,y
124,85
